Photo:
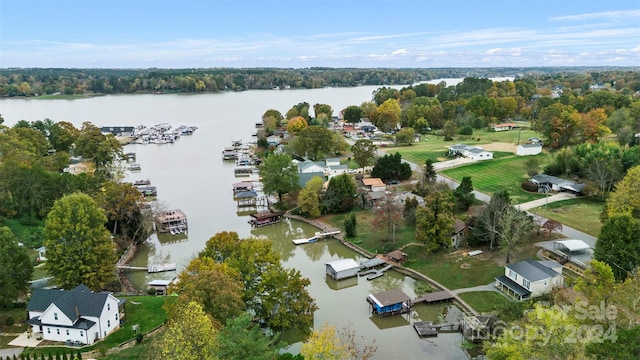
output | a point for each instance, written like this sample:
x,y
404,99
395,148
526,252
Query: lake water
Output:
x,y
191,175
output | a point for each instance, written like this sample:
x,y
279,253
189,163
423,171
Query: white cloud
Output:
x,y
610,15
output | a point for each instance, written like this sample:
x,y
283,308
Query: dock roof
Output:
x,y
389,297
343,264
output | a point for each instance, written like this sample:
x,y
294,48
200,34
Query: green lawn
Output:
x,y
26,233
435,148
581,214
493,175
19,315
453,272
486,301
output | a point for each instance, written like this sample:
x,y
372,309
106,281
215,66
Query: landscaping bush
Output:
x,y
151,291
139,337
531,187
9,321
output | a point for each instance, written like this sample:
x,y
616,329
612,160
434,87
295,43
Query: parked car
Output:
x,y
393,182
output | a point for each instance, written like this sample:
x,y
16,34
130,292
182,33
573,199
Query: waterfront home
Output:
x,y
390,302
530,278
78,316
342,269
169,220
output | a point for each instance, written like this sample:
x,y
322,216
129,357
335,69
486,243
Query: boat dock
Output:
x,y
318,236
434,297
371,263
427,328
375,273
152,268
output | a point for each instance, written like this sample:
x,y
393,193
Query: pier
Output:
x,y
427,328
318,236
152,268
375,273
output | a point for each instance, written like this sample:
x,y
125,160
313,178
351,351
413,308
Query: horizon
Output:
x,y
288,34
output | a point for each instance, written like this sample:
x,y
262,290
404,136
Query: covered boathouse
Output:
x,y
264,218
390,302
342,269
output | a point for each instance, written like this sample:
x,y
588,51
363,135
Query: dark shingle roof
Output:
x,y
80,301
532,270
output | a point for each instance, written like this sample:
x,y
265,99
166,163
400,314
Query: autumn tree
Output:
x,y
331,343
271,119
279,175
216,287
190,334
309,197
559,124
120,202
15,268
434,221
513,227
405,136
624,198
388,115
449,130
364,152
91,143
296,124
489,221
79,249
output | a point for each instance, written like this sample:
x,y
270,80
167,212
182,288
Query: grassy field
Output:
x,y
435,148
491,176
486,301
581,214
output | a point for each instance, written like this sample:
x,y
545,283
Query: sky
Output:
x,y
318,33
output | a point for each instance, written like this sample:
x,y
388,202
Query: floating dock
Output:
x,y
375,273
156,268
318,236
427,328
304,241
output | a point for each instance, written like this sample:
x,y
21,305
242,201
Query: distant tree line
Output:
x,y
48,81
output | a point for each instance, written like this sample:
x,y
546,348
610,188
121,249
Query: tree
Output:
x,y
309,197
214,286
329,343
350,225
624,198
605,172
296,124
62,135
429,175
15,268
464,192
91,143
513,227
352,114
190,334
434,221
241,339
313,142
120,201
364,152
391,167
405,136
79,249
559,123
619,244
489,220
388,115
279,175
340,195
449,130
387,215
547,332
532,166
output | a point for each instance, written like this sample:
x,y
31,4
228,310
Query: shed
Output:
x,y
343,268
390,302
374,184
397,256
161,286
528,149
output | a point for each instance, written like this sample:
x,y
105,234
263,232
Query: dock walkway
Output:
x,y
434,297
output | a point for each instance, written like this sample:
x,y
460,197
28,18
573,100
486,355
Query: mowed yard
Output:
x,y
435,148
491,176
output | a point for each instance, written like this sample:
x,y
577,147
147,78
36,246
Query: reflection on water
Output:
x,y
334,284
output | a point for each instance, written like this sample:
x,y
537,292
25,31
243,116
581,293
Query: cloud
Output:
x,y
609,15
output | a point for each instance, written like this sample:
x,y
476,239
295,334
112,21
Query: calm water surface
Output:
x,y
191,175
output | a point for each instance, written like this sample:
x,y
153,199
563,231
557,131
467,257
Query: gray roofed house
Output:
x,y
530,278
74,315
549,182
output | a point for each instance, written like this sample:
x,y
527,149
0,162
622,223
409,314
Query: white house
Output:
x,y
528,149
335,170
530,278
308,166
343,268
79,315
471,152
